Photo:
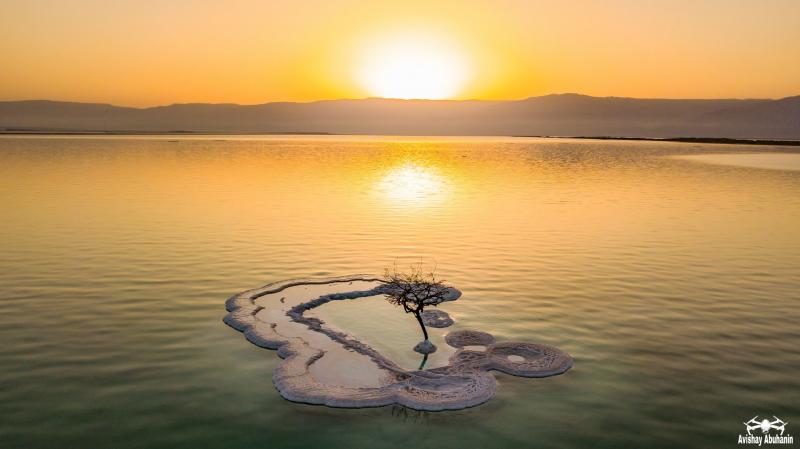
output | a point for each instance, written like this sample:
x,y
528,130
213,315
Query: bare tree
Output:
x,y
414,291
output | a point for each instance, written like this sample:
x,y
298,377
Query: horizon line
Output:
x,y
441,100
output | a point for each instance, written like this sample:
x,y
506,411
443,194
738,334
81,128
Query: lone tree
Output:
x,y
414,291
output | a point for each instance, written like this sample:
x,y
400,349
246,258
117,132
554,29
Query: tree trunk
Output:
x,y
424,359
421,324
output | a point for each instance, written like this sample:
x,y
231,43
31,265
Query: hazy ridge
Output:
x,y
554,115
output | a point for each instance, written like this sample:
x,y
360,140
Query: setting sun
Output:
x,y
413,67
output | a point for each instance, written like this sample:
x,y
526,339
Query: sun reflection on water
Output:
x,y
412,184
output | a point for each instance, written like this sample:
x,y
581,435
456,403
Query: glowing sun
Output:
x,y
413,67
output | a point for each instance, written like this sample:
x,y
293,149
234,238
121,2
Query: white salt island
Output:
x,y
326,366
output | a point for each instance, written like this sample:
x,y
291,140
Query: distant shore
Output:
x,y
36,132
713,140
718,140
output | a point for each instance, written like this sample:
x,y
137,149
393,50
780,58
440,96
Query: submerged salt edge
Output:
x,y
465,382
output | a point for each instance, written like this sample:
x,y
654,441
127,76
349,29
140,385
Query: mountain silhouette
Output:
x,y
551,115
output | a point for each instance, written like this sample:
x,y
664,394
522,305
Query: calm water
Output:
x,y
673,283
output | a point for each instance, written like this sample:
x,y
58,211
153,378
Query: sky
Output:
x,y
145,52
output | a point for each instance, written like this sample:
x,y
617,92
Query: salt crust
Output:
x,y
465,382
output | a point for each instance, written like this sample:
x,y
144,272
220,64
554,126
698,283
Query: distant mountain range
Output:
x,y
550,115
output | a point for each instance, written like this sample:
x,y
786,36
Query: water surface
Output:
x,y
673,284
775,161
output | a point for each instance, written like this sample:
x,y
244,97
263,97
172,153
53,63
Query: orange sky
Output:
x,y
147,52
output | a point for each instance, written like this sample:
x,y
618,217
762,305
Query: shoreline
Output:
x,y
14,132
707,140
714,140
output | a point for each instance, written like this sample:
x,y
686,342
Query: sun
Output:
x,y
421,66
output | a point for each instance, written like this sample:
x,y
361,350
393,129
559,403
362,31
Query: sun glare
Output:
x,y
411,184
413,67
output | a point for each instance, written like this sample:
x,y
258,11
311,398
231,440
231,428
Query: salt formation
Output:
x,y
325,366
460,339
425,347
436,318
